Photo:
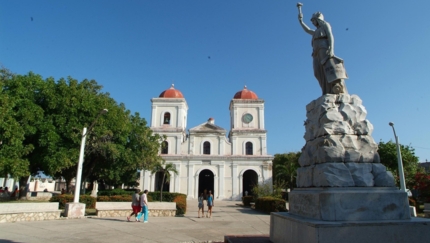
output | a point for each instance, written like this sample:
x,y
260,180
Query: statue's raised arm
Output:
x,y
304,26
328,69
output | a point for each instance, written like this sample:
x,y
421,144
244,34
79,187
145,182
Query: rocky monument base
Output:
x,y
344,193
354,204
289,228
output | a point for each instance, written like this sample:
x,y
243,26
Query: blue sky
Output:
x,y
211,49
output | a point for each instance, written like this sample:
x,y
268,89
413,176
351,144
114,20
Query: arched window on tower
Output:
x,y
206,148
164,147
248,148
166,119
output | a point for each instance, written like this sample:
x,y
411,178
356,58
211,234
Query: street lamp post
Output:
x,y
80,163
71,209
399,161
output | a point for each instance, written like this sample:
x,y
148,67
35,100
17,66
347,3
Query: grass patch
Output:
x,y
90,211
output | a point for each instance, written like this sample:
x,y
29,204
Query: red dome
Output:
x,y
245,94
171,93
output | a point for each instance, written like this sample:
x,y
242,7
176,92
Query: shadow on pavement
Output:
x,y
111,219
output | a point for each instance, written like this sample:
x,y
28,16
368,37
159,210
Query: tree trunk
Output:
x,y
23,187
68,181
162,185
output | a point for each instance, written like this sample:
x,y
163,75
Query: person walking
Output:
x,y
210,204
144,205
135,205
201,205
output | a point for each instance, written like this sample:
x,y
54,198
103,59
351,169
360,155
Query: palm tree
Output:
x,y
285,167
165,169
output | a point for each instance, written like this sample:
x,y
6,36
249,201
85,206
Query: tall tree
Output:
x,y
20,122
41,124
12,148
388,154
285,168
165,169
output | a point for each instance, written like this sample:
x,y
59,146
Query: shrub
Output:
x,y
90,202
246,200
270,204
167,196
103,199
267,189
121,198
181,203
149,197
422,185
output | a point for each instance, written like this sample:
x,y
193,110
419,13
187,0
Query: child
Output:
x,y
210,204
201,205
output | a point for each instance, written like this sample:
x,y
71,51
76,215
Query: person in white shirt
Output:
x,y
144,205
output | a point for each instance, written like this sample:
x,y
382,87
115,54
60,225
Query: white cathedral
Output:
x,y
206,158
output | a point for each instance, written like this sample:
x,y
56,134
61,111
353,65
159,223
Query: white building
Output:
x,y
205,157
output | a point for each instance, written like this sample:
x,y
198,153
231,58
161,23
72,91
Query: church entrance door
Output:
x,y
250,179
206,181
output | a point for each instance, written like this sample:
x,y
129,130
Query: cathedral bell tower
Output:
x,y
169,118
247,133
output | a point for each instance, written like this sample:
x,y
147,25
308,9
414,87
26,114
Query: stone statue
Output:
x,y
95,189
328,69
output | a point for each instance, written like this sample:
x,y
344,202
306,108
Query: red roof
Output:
x,y
245,94
171,93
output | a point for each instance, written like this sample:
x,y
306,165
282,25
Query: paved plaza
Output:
x,y
228,219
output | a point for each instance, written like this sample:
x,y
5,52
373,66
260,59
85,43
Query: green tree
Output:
x,y
117,145
41,124
285,168
388,154
20,123
165,169
12,149
70,106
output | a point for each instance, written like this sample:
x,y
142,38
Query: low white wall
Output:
x,y
123,209
40,186
28,207
15,212
127,205
39,196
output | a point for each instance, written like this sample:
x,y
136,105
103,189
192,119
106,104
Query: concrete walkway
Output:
x,y
227,219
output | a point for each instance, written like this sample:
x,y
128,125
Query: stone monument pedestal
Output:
x,y
289,228
75,210
349,203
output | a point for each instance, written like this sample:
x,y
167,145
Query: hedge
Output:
x,y
89,201
114,192
270,204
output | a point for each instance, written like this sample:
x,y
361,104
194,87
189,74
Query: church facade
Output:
x,y
206,157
